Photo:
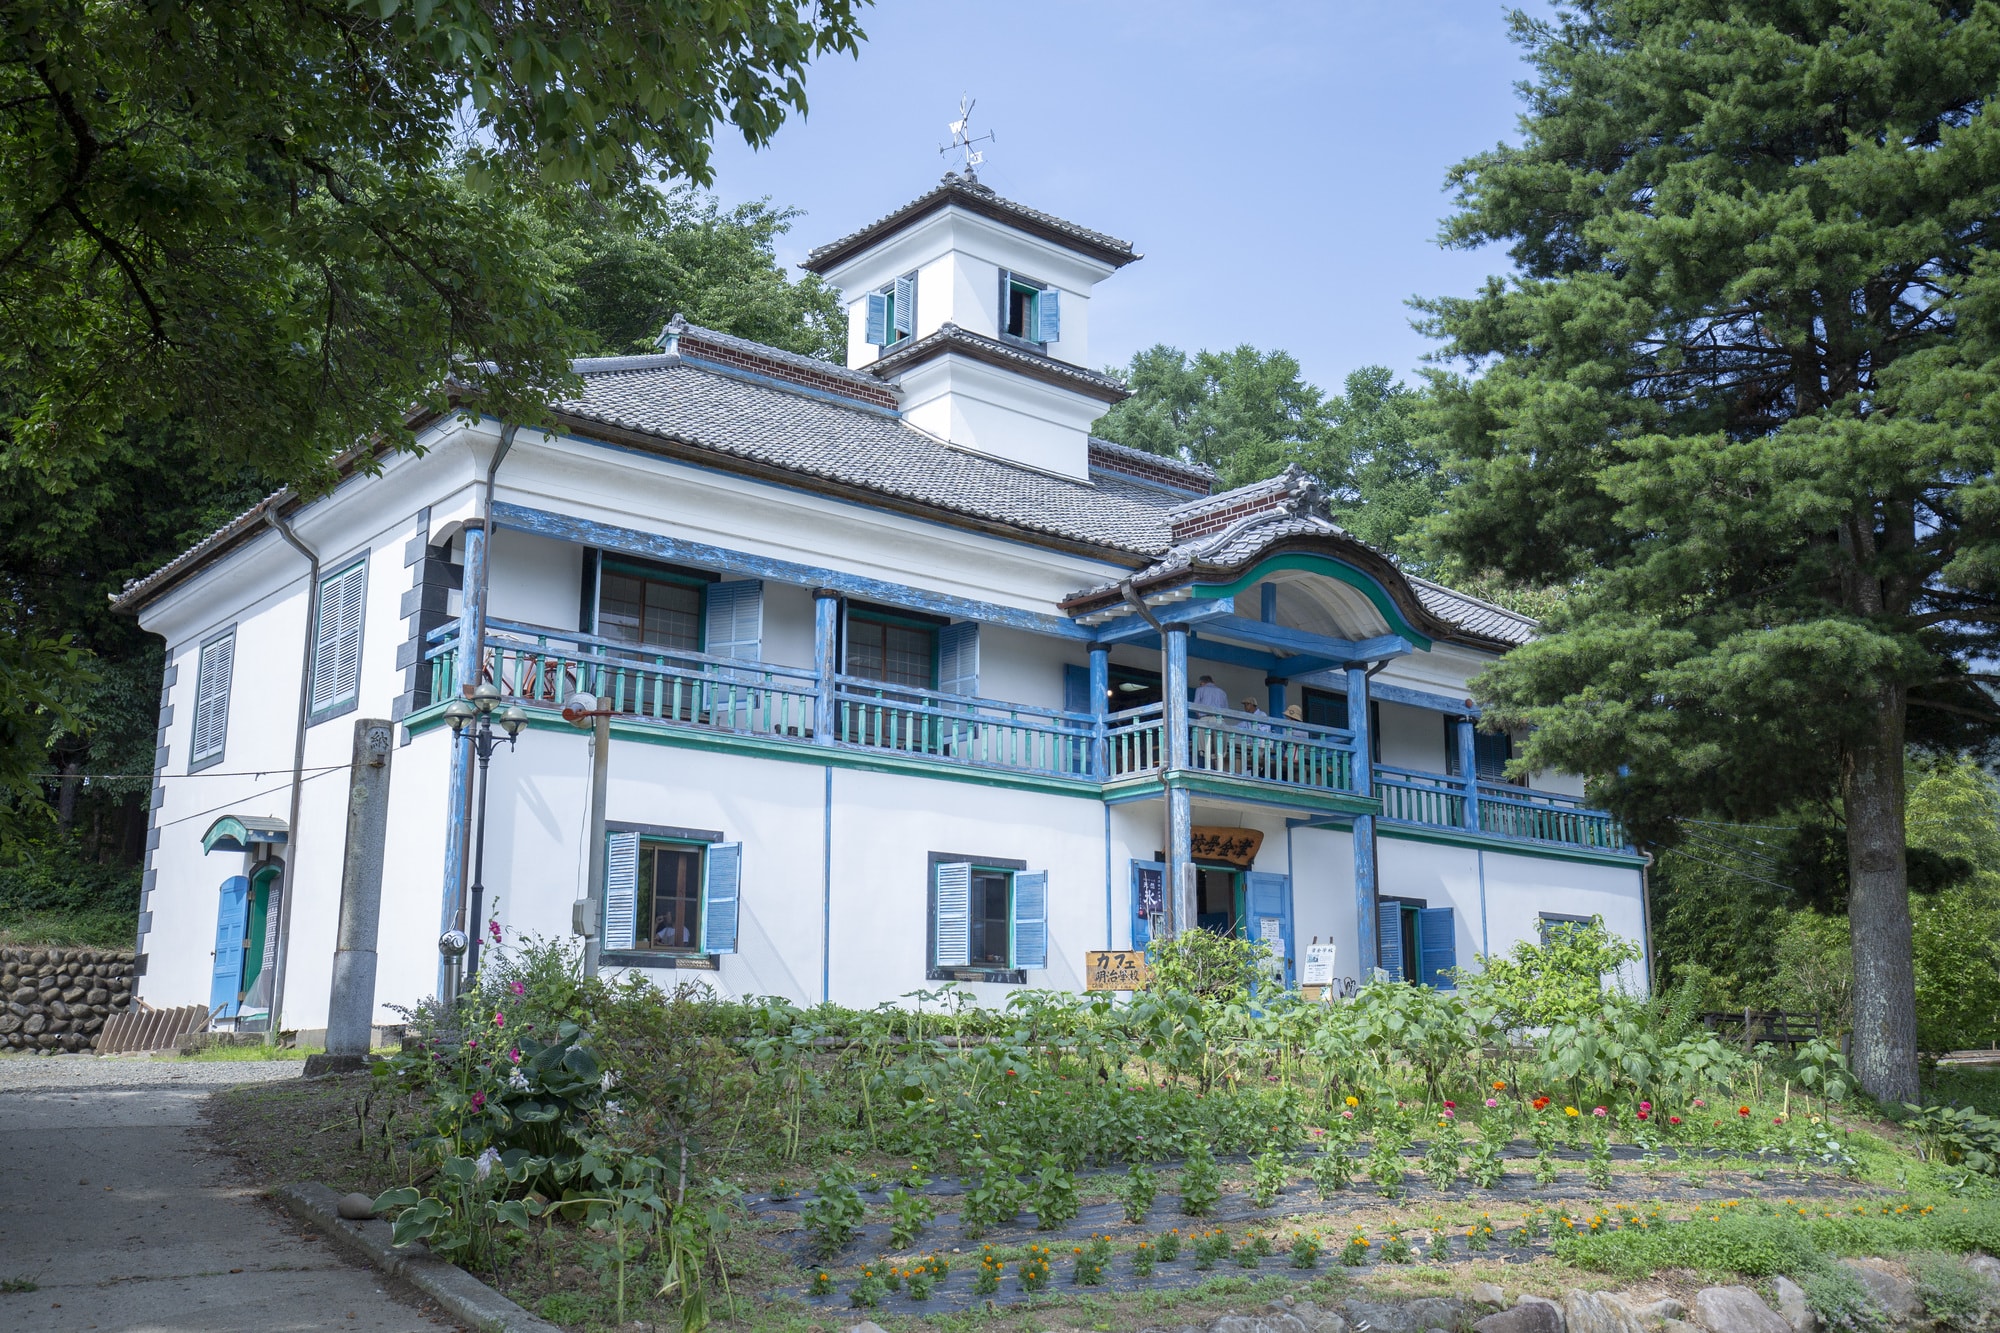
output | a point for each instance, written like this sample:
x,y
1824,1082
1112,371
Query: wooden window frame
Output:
x,y
661,959
1007,976
317,713
196,763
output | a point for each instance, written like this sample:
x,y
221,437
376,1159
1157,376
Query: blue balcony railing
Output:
x,y
676,688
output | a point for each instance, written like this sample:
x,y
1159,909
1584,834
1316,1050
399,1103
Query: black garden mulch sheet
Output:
x,y
1515,1196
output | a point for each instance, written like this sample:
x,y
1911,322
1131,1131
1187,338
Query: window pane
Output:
x,y
618,606
991,927
898,654
669,899
660,613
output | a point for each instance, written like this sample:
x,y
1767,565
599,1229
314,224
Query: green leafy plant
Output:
x,y
1052,1195
1169,1245
1033,1269
1597,1167
869,1291
1955,1296
997,1196
1332,1170
1395,1246
835,1213
1545,1168
1305,1251
1089,1260
1210,1247
1141,1184
821,1285
1479,1236
1839,1300
1143,1258
1440,1246
1201,1178
909,1214
1484,1165
1355,1253
1267,1177
1441,1154
1385,1168
987,1280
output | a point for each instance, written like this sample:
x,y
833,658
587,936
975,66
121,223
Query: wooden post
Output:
x,y
1366,899
1100,705
1182,908
1468,769
826,661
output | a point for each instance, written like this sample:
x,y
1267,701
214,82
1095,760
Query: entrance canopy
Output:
x,y
239,833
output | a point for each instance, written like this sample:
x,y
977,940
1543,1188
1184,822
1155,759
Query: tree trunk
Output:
x,y
66,794
1878,909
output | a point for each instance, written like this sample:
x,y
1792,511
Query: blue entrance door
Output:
x,y
231,914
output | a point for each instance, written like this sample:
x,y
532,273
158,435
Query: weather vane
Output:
x,y
962,139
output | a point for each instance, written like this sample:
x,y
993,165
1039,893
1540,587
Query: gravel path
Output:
x,y
114,1206
23,1073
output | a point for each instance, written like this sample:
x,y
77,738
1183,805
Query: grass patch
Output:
x,y
18,1286
1962,1086
1765,1240
57,929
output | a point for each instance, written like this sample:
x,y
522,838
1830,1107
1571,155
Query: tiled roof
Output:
x,y
1473,615
855,447
969,194
1036,365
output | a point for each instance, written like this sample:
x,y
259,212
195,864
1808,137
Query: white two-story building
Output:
x,y
908,672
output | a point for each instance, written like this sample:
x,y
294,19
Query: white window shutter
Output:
x,y
735,620
953,913
958,658
1031,919
878,320
906,304
621,889
1048,316
721,890
336,675
211,701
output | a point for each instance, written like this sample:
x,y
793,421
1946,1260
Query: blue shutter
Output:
x,y
734,620
952,913
211,700
721,889
1491,750
336,668
230,917
1048,316
621,889
1437,939
1149,897
906,304
958,658
1389,938
1267,896
1076,690
878,320
1031,919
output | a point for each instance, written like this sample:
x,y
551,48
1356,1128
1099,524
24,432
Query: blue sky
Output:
x,y
1281,165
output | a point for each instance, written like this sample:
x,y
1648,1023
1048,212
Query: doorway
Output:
x,y
1219,900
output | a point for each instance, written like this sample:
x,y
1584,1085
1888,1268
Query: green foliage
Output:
x,y
1559,979
1200,1181
1052,1195
1955,1296
1089,1260
1305,1250
987,1280
1210,1247
1137,1195
909,1214
1267,1177
1354,1253
1484,1166
835,1213
1169,1245
1957,1136
1144,1256
1443,1153
1332,1169
1837,1297
1216,969
293,258
1385,1168
1396,1246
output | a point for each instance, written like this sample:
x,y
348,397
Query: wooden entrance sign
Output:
x,y
1234,846
1115,969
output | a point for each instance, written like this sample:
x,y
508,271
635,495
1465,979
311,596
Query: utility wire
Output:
x,y
248,796
1728,870
205,773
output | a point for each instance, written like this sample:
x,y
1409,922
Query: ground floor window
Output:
x,y
1416,942
669,893
669,897
988,918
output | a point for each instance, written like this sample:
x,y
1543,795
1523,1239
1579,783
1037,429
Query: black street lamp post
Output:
x,y
478,711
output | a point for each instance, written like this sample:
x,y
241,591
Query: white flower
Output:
x,y
517,1080
608,1082
487,1161
613,1108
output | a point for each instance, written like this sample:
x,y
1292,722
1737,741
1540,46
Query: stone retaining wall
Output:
x,y
58,999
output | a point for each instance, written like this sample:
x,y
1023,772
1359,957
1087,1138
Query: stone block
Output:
x,y
35,1025
1406,1316
1536,1316
1597,1312
1736,1310
1487,1293
1986,1266
1895,1294
1655,1313
1792,1307
97,996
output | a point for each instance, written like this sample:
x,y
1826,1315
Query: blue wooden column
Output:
x,y
1100,705
458,790
1468,769
1268,613
826,660
1366,902
1182,909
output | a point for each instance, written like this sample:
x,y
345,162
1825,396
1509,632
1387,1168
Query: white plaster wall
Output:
x,y
1519,887
1024,668
1412,737
535,580
413,873
1001,413
1323,894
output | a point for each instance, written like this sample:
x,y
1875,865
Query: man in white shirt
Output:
x,y
1208,694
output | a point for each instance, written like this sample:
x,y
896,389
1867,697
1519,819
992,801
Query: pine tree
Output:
x,y
1740,392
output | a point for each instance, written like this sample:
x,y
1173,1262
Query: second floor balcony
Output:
x,y
1246,752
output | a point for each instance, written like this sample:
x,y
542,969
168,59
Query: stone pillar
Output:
x,y
350,1012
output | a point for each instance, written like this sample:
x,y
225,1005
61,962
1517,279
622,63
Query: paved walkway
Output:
x,y
113,1205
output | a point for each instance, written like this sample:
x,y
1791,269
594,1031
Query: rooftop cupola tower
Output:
x,y
978,310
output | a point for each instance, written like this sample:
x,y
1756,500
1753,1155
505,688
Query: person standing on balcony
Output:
x,y
1208,694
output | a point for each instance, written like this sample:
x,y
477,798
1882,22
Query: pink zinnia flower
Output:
x,y
1645,1106
499,1019
1448,1111
1699,1102
517,988
515,1055
1347,1115
478,1101
1492,1102
1599,1111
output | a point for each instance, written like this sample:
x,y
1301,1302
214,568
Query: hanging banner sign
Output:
x,y
1115,969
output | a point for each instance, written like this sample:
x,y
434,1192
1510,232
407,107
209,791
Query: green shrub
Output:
x,y
1737,1242
1267,1177
1201,1180
1954,1295
835,1213
1841,1302
1052,1195
1137,1194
